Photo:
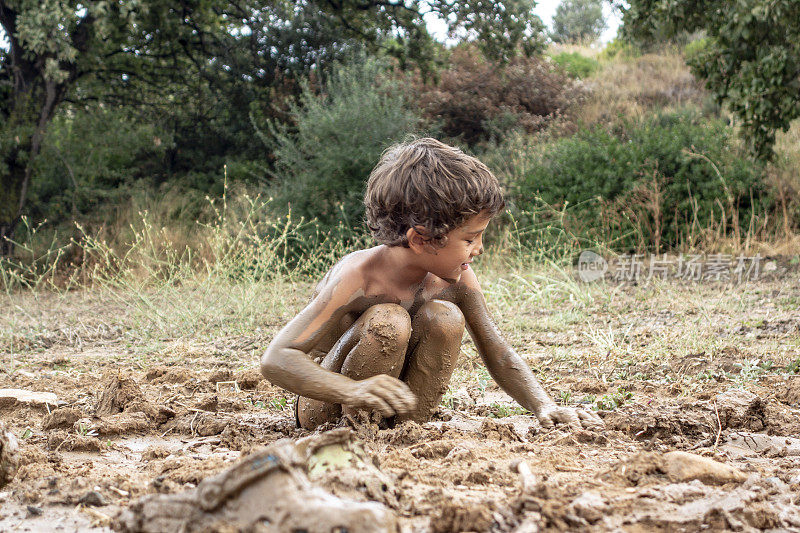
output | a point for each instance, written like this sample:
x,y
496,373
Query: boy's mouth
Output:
x,y
464,266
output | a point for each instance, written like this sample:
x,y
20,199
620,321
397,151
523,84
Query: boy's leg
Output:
x,y
437,330
375,344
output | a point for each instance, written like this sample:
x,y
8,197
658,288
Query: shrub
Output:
x,y
325,157
694,48
476,100
92,157
619,49
643,186
575,64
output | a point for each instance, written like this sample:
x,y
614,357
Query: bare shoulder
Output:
x,y
339,293
349,268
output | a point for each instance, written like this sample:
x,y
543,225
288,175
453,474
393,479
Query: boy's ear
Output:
x,y
418,242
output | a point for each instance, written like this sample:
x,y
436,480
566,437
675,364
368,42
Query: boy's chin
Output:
x,y
452,280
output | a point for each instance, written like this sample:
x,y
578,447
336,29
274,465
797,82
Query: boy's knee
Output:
x,y
442,318
388,322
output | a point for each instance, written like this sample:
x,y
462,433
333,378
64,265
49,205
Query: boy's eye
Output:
x,y
468,241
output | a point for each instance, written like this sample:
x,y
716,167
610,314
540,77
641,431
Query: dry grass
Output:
x,y
629,88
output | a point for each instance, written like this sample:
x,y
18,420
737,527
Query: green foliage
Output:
x,y
609,402
92,158
751,60
199,69
695,48
324,159
575,64
578,21
619,48
663,172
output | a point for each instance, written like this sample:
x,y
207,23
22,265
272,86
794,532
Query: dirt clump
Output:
x,y
790,392
408,432
432,450
220,374
676,466
268,487
493,430
668,421
454,518
166,374
118,393
589,506
248,379
204,424
683,466
739,408
9,455
117,424
61,440
122,394
62,418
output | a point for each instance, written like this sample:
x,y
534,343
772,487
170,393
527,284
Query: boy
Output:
x,y
387,322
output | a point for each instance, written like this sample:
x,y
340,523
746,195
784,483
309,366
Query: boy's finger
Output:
x,y
401,399
398,394
570,417
380,405
590,419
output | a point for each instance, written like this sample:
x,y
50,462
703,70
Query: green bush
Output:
x,y
575,64
643,186
694,48
324,158
92,158
619,48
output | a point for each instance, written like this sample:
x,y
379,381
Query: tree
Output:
x,y
54,44
751,61
177,53
578,21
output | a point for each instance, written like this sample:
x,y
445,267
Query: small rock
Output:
x,y
11,397
93,499
34,511
776,483
684,466
590,506
461,399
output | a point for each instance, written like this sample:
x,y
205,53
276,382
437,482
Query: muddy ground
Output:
x,y
705,368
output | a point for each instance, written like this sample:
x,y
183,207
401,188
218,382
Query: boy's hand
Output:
x,y
385,394
550,413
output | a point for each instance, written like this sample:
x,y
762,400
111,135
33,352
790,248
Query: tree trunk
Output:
x,y
10,188
20,159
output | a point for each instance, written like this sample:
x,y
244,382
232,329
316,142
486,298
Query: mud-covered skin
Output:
x,y
375,356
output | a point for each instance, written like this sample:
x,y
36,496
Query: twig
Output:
x,y
719,425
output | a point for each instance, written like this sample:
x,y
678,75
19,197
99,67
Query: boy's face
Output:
x,y
463,244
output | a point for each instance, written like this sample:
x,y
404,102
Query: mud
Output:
x,y
155,423
266,491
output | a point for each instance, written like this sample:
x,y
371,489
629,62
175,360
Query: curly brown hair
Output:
x,y
429,184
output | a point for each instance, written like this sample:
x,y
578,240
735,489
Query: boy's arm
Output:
x,y
286,363
507,368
